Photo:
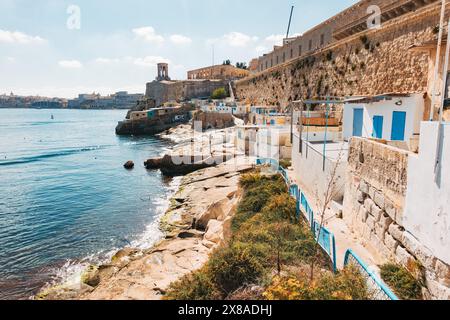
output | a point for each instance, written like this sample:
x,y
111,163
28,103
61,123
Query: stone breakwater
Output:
x,y
197,222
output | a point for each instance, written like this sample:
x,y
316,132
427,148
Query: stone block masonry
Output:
x,y
373,62
375,191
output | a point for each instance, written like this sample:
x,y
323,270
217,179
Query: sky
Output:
x,y
61,48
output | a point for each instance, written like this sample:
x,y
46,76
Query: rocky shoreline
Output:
x,y
197,221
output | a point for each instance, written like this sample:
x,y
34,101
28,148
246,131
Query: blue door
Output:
x,y
357,122
398,126
377,127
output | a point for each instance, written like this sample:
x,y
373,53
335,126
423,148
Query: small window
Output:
x,y
277,60
284,56
271,62
292,53
310,44
322,39
299,50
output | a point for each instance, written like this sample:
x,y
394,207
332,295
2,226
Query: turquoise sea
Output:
x,y
65,198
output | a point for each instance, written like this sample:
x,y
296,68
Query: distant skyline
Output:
x,y
118,43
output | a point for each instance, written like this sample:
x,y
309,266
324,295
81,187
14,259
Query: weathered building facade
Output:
x,y
222,72
356,19
368,62
164,90
393,202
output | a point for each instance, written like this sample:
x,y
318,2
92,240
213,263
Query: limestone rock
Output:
x,y
91,276
214,231
216,211
396,231
403,256
390,242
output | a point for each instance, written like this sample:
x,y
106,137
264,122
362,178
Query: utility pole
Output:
x,y
289,24
438,56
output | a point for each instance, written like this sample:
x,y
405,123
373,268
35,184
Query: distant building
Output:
x,y
49,104
163,91
219,72
119,100
13,101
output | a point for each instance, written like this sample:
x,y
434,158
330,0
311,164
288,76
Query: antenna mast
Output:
x,y
289,24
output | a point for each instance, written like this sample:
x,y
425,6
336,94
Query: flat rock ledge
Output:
x,y
197,222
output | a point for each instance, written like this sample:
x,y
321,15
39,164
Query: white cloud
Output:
x,y
9,59
149,61
261,49
275,39
237,39
70,64
107,60
148,34
19,37
180,39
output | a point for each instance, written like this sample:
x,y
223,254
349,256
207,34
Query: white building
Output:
x,y
315,158
390,117
427,206
274,142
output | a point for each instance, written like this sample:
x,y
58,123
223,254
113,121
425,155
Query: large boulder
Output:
x,y
216,211
152,164
214,232
178,167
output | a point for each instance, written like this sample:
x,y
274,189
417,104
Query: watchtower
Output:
x,y
163,72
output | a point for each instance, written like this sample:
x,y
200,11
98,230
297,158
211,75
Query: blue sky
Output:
x,y
119,42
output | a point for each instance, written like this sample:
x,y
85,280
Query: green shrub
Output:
x,y
284,163
266,238
231,268
258,191
347,285
194,286
401,281
280,207
219,93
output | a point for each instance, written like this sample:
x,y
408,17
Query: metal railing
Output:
x,y
326,239
377,289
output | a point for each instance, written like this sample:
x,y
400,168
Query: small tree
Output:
x,y
227,62
323,203
241,65
219,93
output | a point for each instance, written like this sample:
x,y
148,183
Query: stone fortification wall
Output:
x,y
374,201
165,91
372,62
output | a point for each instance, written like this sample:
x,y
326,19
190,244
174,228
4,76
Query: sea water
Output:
x,y
65,199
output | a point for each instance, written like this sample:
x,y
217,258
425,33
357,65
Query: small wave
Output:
x,y
71,272
59,153
34,124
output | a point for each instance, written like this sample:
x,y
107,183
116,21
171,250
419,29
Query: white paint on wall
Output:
x,y
413,106
309,171
427,206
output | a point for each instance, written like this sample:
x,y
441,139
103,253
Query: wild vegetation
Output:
x,y
219,93
269,254
404,284
285,164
